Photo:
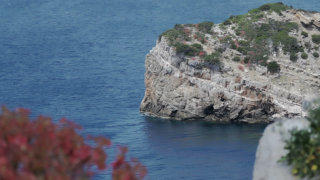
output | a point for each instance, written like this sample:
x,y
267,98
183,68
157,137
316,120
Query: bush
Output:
x,y
171,34
124,170
257,54
205,27
304,148
200,37
304,55
260,35
246,60
316,39
265,7
213,58
276,7
244,47
308,46
188,50
290,43
227,22
243,50
221,50
315,54
175,34
197,46
304,34
293,57
273,67
39,149
236,59
233,45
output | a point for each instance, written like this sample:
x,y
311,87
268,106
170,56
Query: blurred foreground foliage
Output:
x,y
33,149
304,148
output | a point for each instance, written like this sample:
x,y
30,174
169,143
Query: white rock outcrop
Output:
x,y
271,149
183,88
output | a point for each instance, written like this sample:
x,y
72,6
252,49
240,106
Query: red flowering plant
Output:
x,y
39,149
123,170
202,53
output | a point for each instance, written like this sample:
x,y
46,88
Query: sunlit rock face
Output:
x,y
176,88
185,87
271,149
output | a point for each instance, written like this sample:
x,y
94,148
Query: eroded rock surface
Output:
x,y
183,87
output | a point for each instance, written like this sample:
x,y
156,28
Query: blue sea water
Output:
x,y
84,60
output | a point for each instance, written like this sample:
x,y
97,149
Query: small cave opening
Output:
x,y
173,113
208,110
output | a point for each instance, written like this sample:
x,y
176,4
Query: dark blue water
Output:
x,y
84,60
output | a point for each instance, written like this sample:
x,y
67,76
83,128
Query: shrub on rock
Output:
x,y
316,39
304,34
227,22
304,55
213,58
276,7
178,33
273,67
188,50
236,59
205,27
293,57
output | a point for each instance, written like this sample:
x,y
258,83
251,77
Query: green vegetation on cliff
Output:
x,y
205,27
304,34
293,57
176,34
188,50
262,35
256,35
304,55
273,67
316,39
256,14
213,58
276,7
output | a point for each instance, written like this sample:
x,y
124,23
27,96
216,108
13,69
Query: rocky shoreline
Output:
x,y
236,86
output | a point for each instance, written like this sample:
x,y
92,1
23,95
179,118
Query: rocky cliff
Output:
x,y
251,68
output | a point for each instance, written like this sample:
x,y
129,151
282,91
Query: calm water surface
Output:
x,y
84,60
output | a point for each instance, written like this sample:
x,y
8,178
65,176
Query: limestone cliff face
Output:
x,y
187,88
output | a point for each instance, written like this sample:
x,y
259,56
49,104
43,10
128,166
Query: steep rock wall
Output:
x,y
183,88
177,88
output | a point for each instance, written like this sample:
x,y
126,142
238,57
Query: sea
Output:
x,y
84,60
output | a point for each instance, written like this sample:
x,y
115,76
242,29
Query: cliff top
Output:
x,y
252,38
